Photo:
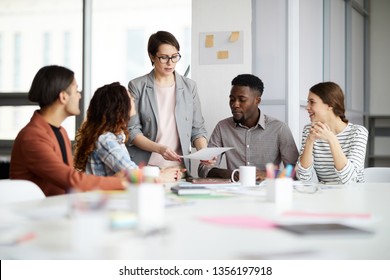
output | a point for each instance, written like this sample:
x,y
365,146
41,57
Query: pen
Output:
x,y
289,169
19,239
270,170
282,173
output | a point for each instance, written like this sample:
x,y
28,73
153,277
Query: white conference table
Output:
x,y
187,237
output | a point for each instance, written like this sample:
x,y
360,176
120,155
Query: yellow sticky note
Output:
x,y
209,41
234,36
223,54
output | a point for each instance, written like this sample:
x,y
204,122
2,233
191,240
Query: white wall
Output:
x,y
214,81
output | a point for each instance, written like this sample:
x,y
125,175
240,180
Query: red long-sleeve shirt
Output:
x,y
36,156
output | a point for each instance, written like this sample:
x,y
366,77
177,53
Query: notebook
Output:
x,y
190,190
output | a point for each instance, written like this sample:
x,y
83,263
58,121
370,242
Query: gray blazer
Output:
x,y
189,119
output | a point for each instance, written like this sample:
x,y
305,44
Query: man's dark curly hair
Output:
x,y
250,81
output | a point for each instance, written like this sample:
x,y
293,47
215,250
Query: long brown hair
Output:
x,y
332,95
108,111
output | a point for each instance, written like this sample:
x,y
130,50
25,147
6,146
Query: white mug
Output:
x,y
247,175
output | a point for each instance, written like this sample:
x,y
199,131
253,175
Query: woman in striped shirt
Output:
x,y
332,147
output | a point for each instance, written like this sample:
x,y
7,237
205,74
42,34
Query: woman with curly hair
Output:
x,y
100,141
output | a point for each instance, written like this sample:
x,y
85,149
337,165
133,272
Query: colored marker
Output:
x,y
270,170
289,169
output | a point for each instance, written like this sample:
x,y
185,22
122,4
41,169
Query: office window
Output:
x,y
67,49
17,61
16,118
46,48
121,28
31,37
59,24
187,51
135,44
1,60
50,32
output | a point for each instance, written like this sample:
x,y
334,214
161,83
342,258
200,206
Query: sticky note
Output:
x,y
234,36
209,41
223,54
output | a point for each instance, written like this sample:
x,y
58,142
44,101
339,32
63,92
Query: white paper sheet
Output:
x,y
207,153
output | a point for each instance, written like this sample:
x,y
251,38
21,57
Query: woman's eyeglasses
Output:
x,y
174,58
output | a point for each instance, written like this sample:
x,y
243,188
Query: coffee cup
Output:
x,y
247,175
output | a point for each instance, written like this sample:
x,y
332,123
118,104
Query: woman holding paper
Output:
x,y
331,146
169,119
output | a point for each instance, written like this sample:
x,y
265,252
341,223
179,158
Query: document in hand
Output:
x,y
190,190
207,153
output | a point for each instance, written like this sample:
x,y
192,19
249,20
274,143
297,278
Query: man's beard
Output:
x,y
240,120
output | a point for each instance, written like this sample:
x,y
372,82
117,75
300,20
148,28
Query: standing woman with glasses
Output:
x,y
169,119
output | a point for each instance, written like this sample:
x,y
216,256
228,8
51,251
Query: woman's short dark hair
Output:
x,y
48,83
332,95
159,38
251,81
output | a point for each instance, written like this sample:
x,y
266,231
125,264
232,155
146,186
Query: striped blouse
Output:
x,y
353,142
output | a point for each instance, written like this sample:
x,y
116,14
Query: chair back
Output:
x,y
4,169
12,190
377,174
